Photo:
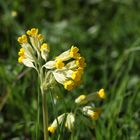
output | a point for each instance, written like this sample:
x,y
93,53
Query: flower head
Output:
x,y
44,51
22,39
67,68
74,52
21,54
44,47
32,32
90,112
59,64
69,85
80,99
52,128
101,94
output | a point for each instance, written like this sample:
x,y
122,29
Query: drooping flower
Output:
x,y
80,99
95,96
58,121
44,51
70,121
25,55
89,111
101,93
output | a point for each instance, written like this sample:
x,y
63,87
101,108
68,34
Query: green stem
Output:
x,y
45,114
38,115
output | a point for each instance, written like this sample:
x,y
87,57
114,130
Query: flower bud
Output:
x,y
52,128
90,112
70,121
80,99
101,93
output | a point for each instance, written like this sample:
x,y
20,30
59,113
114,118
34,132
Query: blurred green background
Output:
x,y
108,35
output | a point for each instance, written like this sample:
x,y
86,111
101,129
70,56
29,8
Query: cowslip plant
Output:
x,y
84,104
66,69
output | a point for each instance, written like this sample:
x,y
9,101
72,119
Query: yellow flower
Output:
x,y
89,111
51,129
21,52
32,32
93,115
101,93
22,39
81,62
20,59
70,74
74,51
80,99
76,76
44,46
69,85
59,64
81,70
40,37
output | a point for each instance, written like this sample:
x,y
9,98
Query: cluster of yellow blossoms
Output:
x,y
67,68
90,110
85,105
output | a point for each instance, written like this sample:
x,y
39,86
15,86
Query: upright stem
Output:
x,y
44,103
45,114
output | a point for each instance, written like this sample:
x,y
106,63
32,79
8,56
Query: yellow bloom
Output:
x,y
76,76
93,115
76,56
74,51
80,70
20,59
22,39
81,62
40,37
89,111
101,93
69,85
21,52
80,99
44,46
32,32
51,129
59,64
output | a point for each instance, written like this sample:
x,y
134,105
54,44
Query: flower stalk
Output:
x,y
45,114
44,105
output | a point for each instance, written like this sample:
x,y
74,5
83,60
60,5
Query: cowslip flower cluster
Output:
x,y
67,68
90,110
85,105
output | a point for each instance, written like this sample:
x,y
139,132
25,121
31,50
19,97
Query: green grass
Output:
x,y
107,33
